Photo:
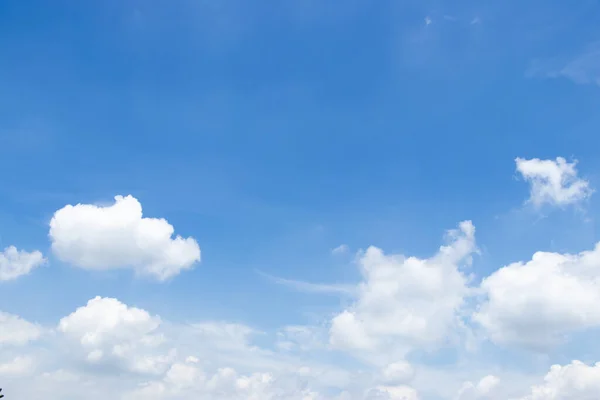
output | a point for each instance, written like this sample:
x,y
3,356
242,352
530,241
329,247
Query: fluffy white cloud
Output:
x,y
118,236
553,182
15,331
15,263
108,331
483,390
106,320
109,349
575,381
406,301
535,303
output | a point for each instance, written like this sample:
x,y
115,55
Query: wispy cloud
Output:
x,y
308,287
341,249
583,69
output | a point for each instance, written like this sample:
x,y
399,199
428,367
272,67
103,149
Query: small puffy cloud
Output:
x,y
118,236
105,320
534,304
553,182
15,331
575,381
483,390
15,263
406,301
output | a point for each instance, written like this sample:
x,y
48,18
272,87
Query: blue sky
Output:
x,y
274,132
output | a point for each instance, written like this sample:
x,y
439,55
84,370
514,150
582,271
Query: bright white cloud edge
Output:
x,y
554,182
119,236
15,263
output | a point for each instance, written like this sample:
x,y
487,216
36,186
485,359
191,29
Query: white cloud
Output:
x,y
184,381
118,236
15,263
15,331
109,351
392,393
108,331
536,303
106,320
553,182
575,381
17,367
399,372
406,301
299,337
341,249
309,287
483,390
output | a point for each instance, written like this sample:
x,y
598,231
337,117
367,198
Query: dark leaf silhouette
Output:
x,y
1,395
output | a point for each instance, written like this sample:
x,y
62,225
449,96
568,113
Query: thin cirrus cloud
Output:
x,y
582,69
553,182
308,287
119,236
341,249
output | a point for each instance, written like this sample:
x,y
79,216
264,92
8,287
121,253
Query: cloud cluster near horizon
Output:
x,y
402,305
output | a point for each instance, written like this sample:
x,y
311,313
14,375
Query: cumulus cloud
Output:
x,y
575,381
535,303
118,236
108,331
553,182
112,350
406,301
15,331
15,263
483,390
